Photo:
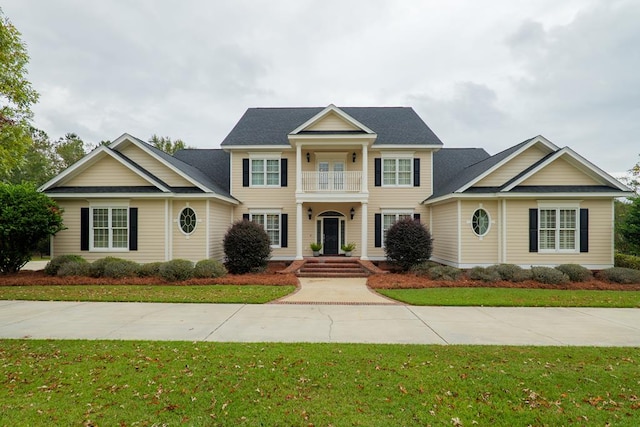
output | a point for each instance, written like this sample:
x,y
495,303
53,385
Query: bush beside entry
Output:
x,y
407,243
247,248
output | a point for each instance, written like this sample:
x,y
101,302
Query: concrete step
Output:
x,y
331,270
332,275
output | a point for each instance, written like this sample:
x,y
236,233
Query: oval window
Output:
x,y
480,222
187,220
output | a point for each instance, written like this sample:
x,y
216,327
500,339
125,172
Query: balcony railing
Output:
x,y
332,182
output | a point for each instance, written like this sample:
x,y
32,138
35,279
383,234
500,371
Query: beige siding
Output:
x,y
600,236
444,221
511,168
397,198
560,172
219,221
332,122
106,171
194,246
475,249
151,236
280,198
155,167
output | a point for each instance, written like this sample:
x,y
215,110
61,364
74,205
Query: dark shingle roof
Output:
x,y
452,170
271,126
212,162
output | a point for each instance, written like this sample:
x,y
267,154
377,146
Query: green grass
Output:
x,y
248,294
507,297
201,384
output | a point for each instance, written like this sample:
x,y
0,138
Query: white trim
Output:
x,y
486,196
265,155
231,172
397,154
265,212
537,140
612,235
167,231
504,231
253,157
557,207
326,111
397,170
459,214
257,147
96,196
481,236
364,234
381,147
177,220
115,204
207,229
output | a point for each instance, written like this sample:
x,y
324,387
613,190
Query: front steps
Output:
x,y
332,267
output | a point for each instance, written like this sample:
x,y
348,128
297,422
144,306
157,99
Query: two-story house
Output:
x,y
337,175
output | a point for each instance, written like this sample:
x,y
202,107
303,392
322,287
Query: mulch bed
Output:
x,y
411,281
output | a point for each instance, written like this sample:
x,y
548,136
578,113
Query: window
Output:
x,y
271,223
265,172
557,229
187,220
389,218
109,228
480,222
397,172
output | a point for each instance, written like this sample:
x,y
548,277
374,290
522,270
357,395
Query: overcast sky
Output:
x,y
484,74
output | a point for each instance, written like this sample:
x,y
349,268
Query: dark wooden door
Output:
x,y
330,244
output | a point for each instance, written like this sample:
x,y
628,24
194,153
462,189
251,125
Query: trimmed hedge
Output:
x,y
627,261
151,269
445,272
74,268
576,273
512,272
176,270
622,275
209,269
488,274
422,269
52,267
116,268
549,275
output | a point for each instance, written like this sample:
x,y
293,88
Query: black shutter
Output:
x,y
416,217
283,172
133,229
245,217
245,172
584,230
378,171
84,229
416,172
378,230
533,230
284,230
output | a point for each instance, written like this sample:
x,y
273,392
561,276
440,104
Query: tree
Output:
x,y
407,243
17,97
26,217
69,149
38,164
165,144
634,180
630,227
247,247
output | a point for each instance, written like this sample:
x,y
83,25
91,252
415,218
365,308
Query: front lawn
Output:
x,y
241,294
510,297
156,383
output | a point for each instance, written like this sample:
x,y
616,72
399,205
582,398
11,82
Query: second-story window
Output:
x,y
397,172
265,172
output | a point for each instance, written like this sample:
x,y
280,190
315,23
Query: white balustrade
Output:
x,y
332,182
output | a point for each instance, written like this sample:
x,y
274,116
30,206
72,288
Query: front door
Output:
x,y
330,244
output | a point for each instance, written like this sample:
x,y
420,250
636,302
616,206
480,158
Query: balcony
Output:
x,y
332,182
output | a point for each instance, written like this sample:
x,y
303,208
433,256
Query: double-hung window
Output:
x,y
265,172
558,229
397,172
270,221
109,228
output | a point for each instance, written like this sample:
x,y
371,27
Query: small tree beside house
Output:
x,y
407,243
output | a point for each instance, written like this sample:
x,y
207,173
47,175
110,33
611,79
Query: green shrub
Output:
x,y
619,275
74,268
422,269
407,243
151,269
489,274
549,276
627,261
576,273
209,268
116,268
247,248
54,265
176,270
512,272
444,272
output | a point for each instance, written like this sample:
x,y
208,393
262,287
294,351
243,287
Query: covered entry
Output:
x,y
330,231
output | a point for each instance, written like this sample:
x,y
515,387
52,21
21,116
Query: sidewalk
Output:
x,y
393,324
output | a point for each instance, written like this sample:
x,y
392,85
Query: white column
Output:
x,y
298,168
365,169
299,228
364,241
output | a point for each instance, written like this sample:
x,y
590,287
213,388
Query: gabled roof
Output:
x,y
272,126
214,163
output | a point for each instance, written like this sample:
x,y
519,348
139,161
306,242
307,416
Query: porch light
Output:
x,y
353,157
308,157
309,211
352,211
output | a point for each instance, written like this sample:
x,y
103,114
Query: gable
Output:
x,y
154,166
560,172
512,168
332,122
106,171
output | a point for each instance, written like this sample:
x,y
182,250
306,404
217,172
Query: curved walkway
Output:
x,y
350,291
